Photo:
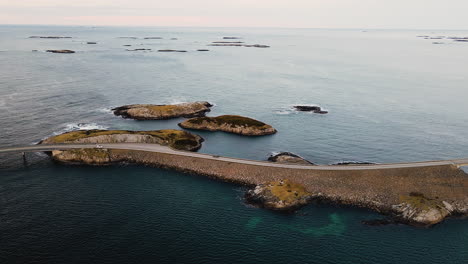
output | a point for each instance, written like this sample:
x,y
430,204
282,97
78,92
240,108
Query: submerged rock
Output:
x,y
157,112
231,38
310,108
153,38
289,158
61,51
230,123
417,209
176,139
283,195
91,43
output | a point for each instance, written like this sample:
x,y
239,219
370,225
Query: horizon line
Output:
x,y
232,27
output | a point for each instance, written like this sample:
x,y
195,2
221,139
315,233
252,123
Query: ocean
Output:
x,y
392,96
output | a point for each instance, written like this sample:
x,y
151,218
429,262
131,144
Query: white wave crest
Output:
x,y
80,126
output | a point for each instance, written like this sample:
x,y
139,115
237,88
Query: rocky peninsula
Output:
x,y
230,123
159,112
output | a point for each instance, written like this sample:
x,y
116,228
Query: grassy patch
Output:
x,y
421,202
288,191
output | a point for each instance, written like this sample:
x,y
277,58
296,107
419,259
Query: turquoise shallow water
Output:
x,y
391,96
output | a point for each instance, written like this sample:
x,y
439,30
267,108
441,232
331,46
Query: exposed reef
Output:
x,y
171,50
236,44
310,108
153,38
50,37
157,112
139,50
283,195
203,50
91,43
230,123
61,51
289,158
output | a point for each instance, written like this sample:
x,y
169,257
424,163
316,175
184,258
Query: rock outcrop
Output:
x,y
289,158
418,209
61,51
283,195
158,112
230,123
310,108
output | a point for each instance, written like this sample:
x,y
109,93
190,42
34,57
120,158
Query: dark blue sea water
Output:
x,y
392,97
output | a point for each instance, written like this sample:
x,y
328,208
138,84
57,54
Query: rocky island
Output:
x,y
158,112
176,139
230,123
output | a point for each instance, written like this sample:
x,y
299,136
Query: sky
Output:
x,y
394,14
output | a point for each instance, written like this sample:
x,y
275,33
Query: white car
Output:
x,y
99,146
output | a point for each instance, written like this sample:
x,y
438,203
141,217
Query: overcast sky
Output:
x,y
411,14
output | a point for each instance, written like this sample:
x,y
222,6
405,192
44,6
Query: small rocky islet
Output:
x,y
230,123
310,108
161,112
61,51
289,158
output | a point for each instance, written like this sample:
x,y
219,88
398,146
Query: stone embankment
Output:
x,y
416,195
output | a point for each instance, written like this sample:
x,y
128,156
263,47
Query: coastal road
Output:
x,y
162,149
